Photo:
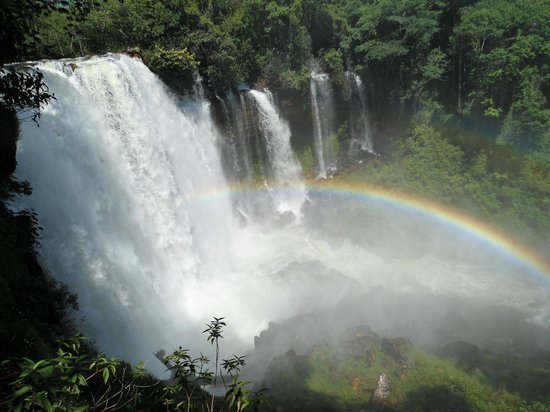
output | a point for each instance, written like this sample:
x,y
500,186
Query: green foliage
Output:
x,y
24,91
506,48
395,39
19,36
292,79
343,377
487,59
34,308
23,88
432,70
527,123
71,380
332,63
435,164
78,379
191,375
307,160
510,195
482,61
175,66
114,25
332,144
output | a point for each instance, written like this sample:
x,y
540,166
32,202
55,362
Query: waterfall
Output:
x,y
119,171
361,139
260,151
138,215
237,128
284,168
322,103
139,221
230,148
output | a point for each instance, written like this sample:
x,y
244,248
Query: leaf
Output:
x,y
47,371
105,375
22,391
82,380
37,364
44,402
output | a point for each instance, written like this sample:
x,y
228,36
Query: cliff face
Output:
x,y
332,128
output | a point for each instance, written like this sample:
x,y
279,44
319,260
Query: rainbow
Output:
x,y
536,265
514,250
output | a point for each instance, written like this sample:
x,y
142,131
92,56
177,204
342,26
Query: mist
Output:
x,y
140,219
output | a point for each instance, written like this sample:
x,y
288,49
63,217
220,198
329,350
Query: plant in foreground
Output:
x,y
191,376
76,379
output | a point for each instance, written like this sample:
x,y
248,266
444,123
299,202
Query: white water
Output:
x,y
322,104
286,172
116,167
129,188
137,213
360,125
236,121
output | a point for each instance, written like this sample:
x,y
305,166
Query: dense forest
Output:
x,y
458,93
465,80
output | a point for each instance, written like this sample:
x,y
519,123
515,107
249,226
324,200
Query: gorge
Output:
x,y
348,198
159,216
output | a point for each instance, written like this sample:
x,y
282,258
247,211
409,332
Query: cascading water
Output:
x,y
284,167
137,217
260,151
236,120
361,138
322,103
238,155
116,167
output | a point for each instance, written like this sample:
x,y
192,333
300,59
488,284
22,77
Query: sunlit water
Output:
x,y
140,221
361,133
322,109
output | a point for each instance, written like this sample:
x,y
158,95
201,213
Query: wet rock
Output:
x,y
398,349
402,370
243,87
382,390
360,342
70,68
134,52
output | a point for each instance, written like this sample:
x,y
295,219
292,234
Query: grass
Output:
x,y
343,378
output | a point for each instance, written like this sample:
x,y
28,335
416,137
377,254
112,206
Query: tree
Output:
x,y
191,375
506,49
22,87
395,41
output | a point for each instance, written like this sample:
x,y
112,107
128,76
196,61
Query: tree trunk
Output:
x,y
460,68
